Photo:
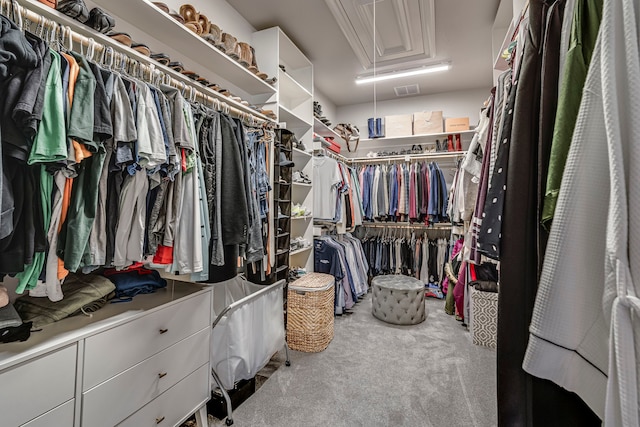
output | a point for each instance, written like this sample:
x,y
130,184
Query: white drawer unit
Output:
x,y
139,385
113,351
170,408
36,387
61,416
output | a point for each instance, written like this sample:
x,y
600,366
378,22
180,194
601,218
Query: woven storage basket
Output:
x,y
310,312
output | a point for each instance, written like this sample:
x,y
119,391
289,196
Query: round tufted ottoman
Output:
x,y
398,300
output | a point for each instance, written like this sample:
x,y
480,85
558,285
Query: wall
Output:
x,y
452,104
328,108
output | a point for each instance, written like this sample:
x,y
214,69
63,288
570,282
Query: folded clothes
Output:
x,y
80,295
9,317
17,333
135,280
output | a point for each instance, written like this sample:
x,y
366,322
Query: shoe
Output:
x,y
280,215
163,7
75,9
458,142
299,178
305,177
142,48
188,13
100,21
450,143
229,42
177,66
123,38
296,210
162,58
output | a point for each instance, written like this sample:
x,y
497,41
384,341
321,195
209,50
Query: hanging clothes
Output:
x,y
123,172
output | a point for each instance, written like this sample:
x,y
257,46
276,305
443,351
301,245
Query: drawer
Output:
x,y
113,351
116,399
60,416
37,386
175,404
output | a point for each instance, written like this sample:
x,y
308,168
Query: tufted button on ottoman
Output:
x,y
398,300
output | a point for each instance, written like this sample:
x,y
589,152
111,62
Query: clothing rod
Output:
x,y
409,157
62,24
436,226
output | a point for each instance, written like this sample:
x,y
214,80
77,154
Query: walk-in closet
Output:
x,y
312,213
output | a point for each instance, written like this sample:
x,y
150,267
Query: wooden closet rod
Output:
x,y
61,25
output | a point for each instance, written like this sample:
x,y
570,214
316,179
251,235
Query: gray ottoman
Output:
x,y
398,300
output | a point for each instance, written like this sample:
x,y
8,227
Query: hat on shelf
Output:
x,y
284,162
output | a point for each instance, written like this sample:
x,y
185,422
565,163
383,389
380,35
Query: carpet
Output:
x,y
377,374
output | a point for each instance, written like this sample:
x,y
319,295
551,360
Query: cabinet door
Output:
x,y
113,351
37,386
175,404
61,416
116,399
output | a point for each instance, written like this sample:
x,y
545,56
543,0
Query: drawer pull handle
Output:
x,y
163,331
162,375
159,420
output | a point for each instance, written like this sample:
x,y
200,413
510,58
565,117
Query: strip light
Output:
x,y
407,73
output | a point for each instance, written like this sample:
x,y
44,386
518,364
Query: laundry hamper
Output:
x,y
484,317
310,301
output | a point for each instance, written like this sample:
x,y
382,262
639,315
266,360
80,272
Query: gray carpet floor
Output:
x,y
377,374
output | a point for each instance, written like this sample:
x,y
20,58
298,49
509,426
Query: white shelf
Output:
x,y
410,139
324,130
500,63
299,153
295,92
299,251
302,217
161,26
301,185
292,120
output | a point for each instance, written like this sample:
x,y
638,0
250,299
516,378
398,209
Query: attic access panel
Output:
x,y
405,29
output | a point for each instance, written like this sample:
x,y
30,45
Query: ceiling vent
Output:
x,y
407,90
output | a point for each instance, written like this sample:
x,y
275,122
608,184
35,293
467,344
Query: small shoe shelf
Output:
x,y
302,225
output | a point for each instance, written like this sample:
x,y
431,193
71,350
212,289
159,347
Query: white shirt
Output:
x,y
326,177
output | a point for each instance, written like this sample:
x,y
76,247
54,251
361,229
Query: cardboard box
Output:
x,y
484,318
456,124
427,122
400,125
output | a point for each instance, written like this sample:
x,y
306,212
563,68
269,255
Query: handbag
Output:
x,y
349,133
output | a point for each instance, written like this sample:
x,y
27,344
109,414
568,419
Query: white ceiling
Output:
x,y
462,37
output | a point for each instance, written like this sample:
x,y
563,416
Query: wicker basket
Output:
x,y
310,301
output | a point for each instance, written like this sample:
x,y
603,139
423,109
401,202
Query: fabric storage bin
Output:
x,y
310,301
484,317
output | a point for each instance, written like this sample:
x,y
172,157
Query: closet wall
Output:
x,y
452,104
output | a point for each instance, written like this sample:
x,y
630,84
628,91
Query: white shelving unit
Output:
x,y
293,101
302,226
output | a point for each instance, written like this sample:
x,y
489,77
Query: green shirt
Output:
x,y
584,31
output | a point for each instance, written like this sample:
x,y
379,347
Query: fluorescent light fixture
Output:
x,y
404,73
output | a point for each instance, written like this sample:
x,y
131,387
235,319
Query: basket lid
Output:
x,y
313,282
